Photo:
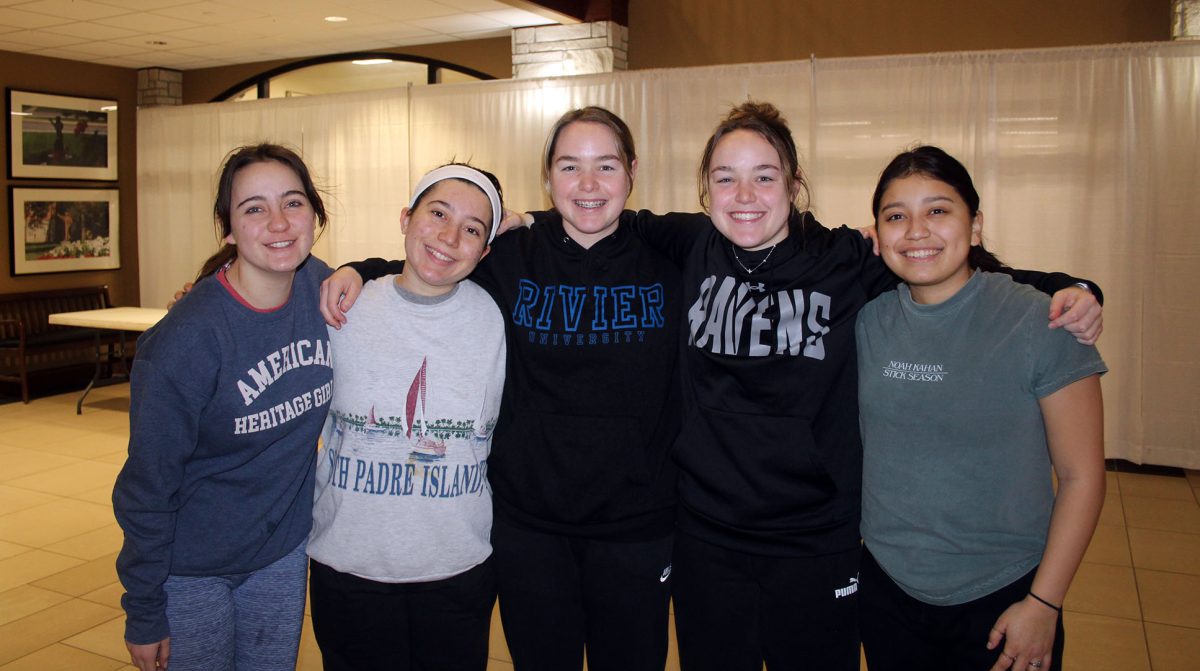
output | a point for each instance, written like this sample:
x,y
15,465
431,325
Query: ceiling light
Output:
x,y
336,19
108,108
372,61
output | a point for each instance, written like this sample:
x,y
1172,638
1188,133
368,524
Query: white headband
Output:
x,y
471,175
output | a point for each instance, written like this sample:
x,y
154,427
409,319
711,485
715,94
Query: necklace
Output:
x,y
750,271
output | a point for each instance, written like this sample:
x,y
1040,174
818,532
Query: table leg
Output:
x,y
95,377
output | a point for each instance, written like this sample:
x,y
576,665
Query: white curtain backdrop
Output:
x,y
1086,161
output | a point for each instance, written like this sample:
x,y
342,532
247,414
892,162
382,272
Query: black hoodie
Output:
x,y
591,402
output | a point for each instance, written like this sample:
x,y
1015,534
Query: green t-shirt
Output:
x,y
957,489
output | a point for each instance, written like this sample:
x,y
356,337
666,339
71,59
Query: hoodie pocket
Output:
x,y
570,468
754,470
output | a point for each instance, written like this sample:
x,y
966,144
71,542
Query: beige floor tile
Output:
x,y
91,545
79,580
33,565
109,412
5,448
60,657
101,495
13,499
1113,513
1165,550
49,626
1112,485
1169,598
497,647
1173,648
34,435
1110,545
70,479
1155,486
12,549
1100,643
93,446
106,639
1162,514
55,521
1101,589
19,463
309,658
117,430
109,595
18,602
117,458
1192,477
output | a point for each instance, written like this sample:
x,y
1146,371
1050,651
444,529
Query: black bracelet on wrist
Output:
x,y
1057,609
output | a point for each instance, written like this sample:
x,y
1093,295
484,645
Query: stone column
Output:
x,y
159,86
572,49
1185,20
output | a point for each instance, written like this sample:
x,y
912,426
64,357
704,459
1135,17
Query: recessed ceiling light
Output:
x,y
372,61
336,19
108,108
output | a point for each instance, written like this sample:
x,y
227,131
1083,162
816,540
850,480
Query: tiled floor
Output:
x,y
1134,605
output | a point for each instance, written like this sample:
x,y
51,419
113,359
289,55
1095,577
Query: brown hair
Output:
x,y
625,149
222,208
766,120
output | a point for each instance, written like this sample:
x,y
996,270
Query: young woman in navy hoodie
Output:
x,y
228,397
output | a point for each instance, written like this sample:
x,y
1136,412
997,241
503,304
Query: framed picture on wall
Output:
x,y
64,230
60,137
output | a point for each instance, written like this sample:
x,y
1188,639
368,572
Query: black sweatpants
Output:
x,y
734,610
363,625
901,633
562,594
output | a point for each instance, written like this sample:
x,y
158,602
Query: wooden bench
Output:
x,y
28,342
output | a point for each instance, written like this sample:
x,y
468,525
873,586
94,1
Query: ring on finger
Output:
x,y
1035,664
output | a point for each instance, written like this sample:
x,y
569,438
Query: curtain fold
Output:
x,y
1085,160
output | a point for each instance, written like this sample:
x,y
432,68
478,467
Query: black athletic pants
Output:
x,y
901,633
562,594
735,610
363,625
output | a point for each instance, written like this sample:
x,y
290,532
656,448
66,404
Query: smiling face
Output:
x,y
925,232
750,194
588,180
445,236
271,222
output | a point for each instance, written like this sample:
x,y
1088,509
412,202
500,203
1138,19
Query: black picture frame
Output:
x,y
61,137
61,230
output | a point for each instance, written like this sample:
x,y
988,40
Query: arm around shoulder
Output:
x,y
1076,305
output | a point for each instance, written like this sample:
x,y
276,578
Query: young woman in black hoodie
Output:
x,y
583,489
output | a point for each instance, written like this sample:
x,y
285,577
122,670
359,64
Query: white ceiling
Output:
x,y
191,34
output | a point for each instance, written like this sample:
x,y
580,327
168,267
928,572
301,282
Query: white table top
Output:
x,y
116,319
